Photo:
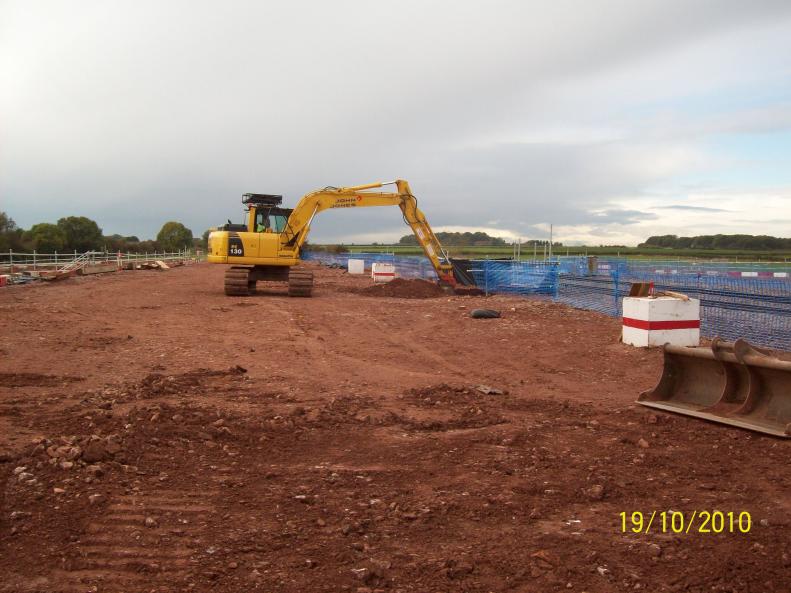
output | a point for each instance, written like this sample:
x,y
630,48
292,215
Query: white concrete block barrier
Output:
x,y
658,321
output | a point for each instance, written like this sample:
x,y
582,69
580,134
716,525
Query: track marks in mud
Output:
x,y
10,380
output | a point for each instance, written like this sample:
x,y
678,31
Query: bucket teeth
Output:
x,y
733,383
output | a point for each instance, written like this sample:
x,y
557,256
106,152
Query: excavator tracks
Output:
x,y
238,282
300,283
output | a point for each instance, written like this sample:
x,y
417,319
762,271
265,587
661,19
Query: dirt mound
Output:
x,y
405,289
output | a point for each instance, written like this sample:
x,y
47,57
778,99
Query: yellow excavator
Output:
x,y
267,247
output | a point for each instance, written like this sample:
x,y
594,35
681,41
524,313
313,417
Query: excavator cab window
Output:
x,y
278,222
262,222
267,221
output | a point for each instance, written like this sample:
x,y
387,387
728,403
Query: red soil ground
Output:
x,y
174,439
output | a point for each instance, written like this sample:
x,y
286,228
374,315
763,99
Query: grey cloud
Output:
x,y
623,216
684,207
136,113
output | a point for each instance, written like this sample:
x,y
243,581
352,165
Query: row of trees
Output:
x,y
463,239
746,242
478,238
81,234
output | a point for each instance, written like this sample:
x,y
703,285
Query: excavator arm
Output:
x,y
298,226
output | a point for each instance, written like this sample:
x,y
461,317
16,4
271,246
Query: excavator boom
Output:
x,y
298,225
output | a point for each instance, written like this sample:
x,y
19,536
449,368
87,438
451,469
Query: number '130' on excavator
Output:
x,y
267,247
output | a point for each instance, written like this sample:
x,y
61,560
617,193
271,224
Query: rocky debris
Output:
x,y
24,476
66,452
150,522
643,444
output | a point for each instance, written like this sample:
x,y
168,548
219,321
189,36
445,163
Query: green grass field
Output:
x,y
631,252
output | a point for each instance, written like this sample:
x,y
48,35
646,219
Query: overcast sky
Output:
x,y
611,120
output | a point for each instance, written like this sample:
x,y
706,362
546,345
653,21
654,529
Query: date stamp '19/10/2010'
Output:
x,y
686,522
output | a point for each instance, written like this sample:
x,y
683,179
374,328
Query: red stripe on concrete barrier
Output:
x,y
384,273
654,325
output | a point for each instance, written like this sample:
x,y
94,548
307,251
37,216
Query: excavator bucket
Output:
x,y
730,382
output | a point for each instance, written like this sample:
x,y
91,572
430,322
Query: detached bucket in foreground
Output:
x,y
730,382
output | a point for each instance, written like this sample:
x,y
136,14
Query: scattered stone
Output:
x,y
16,515
66,464
370,575
151,522
595,492
96,470
233,565
655,550
95,451
112,446
94,498
602,570
19,470
764,522
321,522
24,476
545,556
486,390
73,453
58,490
643,444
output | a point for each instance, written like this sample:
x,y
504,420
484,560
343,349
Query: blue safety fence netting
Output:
x,y
406,266
738,300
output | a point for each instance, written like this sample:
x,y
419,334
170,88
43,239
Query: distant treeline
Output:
x,y
745,242
466,239
81,234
